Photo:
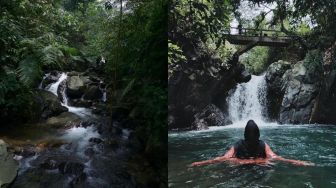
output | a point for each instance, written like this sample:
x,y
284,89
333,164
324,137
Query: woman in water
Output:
x,y
251,150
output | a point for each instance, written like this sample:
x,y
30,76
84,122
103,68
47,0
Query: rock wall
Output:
x,y
302,92
198,89
325,106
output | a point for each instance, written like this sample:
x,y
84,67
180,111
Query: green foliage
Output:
x,y
134,43
255,60
34,37
313,61
175,58
200,19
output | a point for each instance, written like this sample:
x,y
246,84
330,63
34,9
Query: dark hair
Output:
x,y
251,131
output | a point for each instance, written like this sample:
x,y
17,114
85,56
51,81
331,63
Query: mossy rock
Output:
x,y
8,166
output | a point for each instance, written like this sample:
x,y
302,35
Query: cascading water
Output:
x,y
53,87
80,111
85,150
246,101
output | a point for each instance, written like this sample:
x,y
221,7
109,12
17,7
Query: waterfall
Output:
x,y
80,111
246,101
53,87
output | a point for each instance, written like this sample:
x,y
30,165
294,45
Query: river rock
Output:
x,y
81,103
65,119
300,87
211,115
8,166
75,86
49,164
93,93
275,90
74,168
274,75
52,77
95,140
51,104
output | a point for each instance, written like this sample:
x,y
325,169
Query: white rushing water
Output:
x,y
53,87
245,103
78,135
80,111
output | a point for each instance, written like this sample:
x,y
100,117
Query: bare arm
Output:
x,y
229,154
271,155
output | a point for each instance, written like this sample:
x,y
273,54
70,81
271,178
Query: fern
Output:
x,y
51,56
126,90
29,70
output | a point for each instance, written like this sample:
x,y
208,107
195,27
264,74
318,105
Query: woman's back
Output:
x,y
246,150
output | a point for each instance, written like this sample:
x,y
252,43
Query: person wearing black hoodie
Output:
x,y
250,150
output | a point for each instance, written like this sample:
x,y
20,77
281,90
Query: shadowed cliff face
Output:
x,y
197,91
303,92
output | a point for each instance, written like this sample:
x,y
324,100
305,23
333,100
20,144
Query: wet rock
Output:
x,y
93,93
8,166
25,151
245,76
49,164
74,73
301,88
39,177
86,124
95,140
79,181
274,75
203,81
275,90
73,168
51,78
51,104
66,119
75,86
211,115
50,144
114,143
89,152
81,103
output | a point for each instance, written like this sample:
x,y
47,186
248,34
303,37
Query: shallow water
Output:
x,y
313,143
66,157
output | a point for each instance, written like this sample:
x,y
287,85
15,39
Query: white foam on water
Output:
x,y
53,87
104,97
80,111
80,135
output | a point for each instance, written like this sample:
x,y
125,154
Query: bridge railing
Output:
x,y
248,32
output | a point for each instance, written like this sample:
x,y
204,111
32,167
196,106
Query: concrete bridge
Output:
x,y
257,37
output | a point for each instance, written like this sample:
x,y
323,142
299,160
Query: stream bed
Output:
x,y
92,152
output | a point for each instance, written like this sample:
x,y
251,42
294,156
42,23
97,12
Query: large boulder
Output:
x,y
51,105
274,75
65,119
300,86
275,89
93,93
8,166
50,78
75,86
211,115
